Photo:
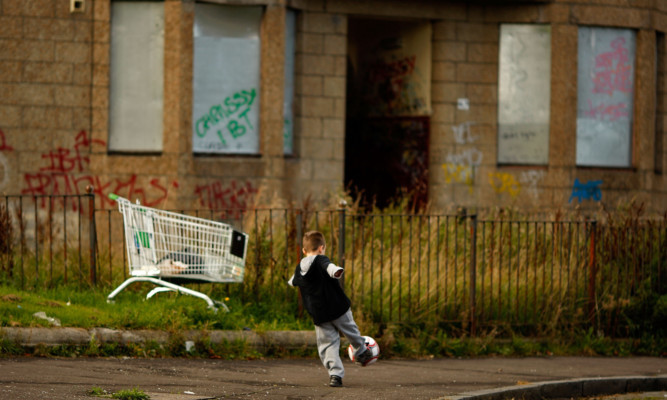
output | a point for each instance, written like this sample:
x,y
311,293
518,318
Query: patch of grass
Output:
x,y
168,311
10,348
125,394
430,341
176,313
130,394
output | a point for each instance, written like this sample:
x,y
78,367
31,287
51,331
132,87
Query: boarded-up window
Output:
x,y
524,94
605,96
288,111
136,76
226,79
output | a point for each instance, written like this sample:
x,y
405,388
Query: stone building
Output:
x,y
537,104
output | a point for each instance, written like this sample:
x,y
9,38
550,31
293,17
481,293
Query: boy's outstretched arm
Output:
x,y
334,271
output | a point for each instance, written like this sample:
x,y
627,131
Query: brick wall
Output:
x,y
54,96
45,96
465,65
320,70
661,106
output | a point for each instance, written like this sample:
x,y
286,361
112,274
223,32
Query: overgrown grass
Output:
x,y
405,265
177,313
431,342
542,287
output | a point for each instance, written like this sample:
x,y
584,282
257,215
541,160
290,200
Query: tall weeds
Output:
x,y
497,272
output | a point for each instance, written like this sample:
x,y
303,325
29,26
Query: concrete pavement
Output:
x,y
488,378
179,378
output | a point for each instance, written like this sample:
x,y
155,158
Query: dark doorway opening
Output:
x,y
387,160
388,106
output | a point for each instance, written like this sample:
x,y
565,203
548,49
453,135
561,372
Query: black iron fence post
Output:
x,y
90,193
473,274
341,239
299,234
592,273
299,246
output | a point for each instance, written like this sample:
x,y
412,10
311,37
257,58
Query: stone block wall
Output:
x,y
661,107
321,48
54,99
464,170
45,97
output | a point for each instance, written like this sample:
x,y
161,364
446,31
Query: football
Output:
x,y
370,344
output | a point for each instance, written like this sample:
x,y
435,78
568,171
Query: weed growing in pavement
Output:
x,y
97,391
10,348
130,394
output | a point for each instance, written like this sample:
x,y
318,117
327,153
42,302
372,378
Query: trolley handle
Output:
x,y
119,199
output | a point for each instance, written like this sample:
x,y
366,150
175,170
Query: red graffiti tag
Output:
x,y
3,143
393,70
613,69
64,175
235,196
612,112
136,192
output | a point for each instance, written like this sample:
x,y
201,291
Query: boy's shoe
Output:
x,y
335,381
364,357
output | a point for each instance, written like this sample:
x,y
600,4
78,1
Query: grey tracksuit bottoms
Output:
x,y
328,342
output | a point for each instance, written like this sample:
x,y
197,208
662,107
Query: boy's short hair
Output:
x,y
313,240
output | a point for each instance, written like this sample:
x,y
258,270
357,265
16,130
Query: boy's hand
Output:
x,y
338,273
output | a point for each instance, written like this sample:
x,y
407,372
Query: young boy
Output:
x,y
328,305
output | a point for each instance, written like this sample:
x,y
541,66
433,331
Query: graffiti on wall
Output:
x,y
3,160
456,173
586,191
503,182
65,173
605,96
610,112
220,196
530,180
459,167
3,143
612,72
394,88
463,133
233,113
613,69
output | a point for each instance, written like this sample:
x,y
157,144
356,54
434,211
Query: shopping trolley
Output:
x,y
169,249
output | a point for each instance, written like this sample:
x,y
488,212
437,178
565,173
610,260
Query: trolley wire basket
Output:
x,y
168,249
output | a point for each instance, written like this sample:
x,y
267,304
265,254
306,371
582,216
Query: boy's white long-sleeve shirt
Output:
x,y
307,261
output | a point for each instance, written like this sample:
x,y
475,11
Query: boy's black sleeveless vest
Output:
x,y
322,295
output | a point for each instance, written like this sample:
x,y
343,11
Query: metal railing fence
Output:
x,y
460,271
47,240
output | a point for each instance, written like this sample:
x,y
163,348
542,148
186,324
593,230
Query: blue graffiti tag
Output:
x,y
585,191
